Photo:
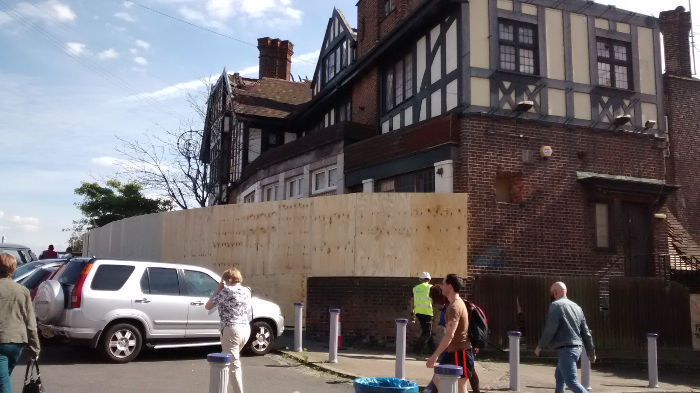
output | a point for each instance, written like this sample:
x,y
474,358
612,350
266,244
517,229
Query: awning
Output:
x,y
628,184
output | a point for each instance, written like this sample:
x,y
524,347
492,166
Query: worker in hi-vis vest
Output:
x,y
422,308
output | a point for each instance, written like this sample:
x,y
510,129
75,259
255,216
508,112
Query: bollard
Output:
x,y
514,348
333,339
218,371
652,361
401,348
447,376
585,370
298,325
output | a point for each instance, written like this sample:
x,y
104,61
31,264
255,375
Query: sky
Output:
x,y
74,74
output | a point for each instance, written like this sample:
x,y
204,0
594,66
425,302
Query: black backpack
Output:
x,y
478,327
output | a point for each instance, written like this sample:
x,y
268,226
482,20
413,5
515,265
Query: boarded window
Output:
x,y
602,225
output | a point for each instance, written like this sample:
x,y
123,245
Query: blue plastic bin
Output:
x,y
384,385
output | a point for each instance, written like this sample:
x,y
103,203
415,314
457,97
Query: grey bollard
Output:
x,y
652,360
298,325
448,377
514,348
218,371
333,339
401,348
585,370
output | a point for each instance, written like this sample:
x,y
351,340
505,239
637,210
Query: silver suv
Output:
x,y
118,307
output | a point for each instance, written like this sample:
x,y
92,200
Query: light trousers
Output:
x,y
233,339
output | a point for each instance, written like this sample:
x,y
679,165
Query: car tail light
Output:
x,y
76,295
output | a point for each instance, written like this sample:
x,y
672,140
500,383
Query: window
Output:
x,y
160,281
614,64
602,228
199,284
325,180
294,188
249,198
388,7
336,60
517,47
509,188
111,277
398,82
270,193
420,181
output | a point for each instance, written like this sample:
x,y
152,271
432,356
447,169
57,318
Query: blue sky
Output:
x,y
73,74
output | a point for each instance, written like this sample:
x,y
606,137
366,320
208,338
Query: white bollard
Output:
x,y
585,370
298,325
401,348
218,371
652,360
333,339
514,348
447,376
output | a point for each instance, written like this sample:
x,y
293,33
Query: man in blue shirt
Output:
x,y
567,332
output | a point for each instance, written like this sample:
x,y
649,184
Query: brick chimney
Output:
x,y
275,58
675,26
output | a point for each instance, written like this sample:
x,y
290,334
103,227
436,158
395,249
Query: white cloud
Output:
x,y
24,220
214,13
133,51
140,61
29,228
4,18
48,11
2,214
110,53
124,16
75,48
307,57
128,4
249,71
142,44
174,91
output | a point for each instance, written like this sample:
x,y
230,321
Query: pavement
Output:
x,y
493,374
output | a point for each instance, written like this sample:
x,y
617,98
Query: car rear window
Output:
x,y
26,268
111,277
71,272
37,277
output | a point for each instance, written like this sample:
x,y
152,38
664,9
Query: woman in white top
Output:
x,y
233,301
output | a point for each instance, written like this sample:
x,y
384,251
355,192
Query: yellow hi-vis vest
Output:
x,y
421,299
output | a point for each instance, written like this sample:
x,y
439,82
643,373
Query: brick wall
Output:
x,y
552,231
681,98
369,307
373,26
365,95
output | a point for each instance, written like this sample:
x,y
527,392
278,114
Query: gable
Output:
x,y
338,43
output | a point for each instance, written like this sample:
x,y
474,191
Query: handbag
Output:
x,y
32,382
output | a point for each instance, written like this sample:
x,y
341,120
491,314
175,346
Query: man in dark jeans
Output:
x,y
422,308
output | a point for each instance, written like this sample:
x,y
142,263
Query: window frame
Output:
x,y
327,187
386,11
246,197
392,91
275,188
297,180
103,269
517,45
612,62
608,217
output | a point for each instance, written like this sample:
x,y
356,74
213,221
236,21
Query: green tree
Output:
x,y
114,201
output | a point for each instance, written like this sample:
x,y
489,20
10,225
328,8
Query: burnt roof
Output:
x,y
268,97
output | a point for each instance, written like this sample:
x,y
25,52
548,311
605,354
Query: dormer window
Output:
x,y
336,60
517,47
614,64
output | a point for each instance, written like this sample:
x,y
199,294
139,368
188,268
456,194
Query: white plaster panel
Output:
x,y
451,95
623,27
555,43
436,103
529,9
385,127
451,50
423,110
420,61
505,4
649,113
582,106
579,49
408,116
396,122
481,92
557,102
436,66
479,33
647,75
602,23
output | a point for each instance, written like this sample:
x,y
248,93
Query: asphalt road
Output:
x,y
66,369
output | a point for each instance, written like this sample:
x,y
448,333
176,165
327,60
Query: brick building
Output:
x,y
576,150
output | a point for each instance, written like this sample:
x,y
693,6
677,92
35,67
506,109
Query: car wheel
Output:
x,y
122,343
261,338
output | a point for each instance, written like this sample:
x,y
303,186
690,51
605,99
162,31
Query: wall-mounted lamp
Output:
x,y
523,106
649,124
439,171
622,120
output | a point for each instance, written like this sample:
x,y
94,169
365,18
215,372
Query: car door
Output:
x,y
161,302
198,287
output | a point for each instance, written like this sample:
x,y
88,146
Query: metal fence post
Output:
x,y
652,360
447,376
401,348
514,353
218,371
298,325
585,370
333,339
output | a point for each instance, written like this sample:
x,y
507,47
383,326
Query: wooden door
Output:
x,y
637,239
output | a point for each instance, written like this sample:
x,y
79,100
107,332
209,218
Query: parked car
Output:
x,y
118,307
23,254
38,276
27,269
